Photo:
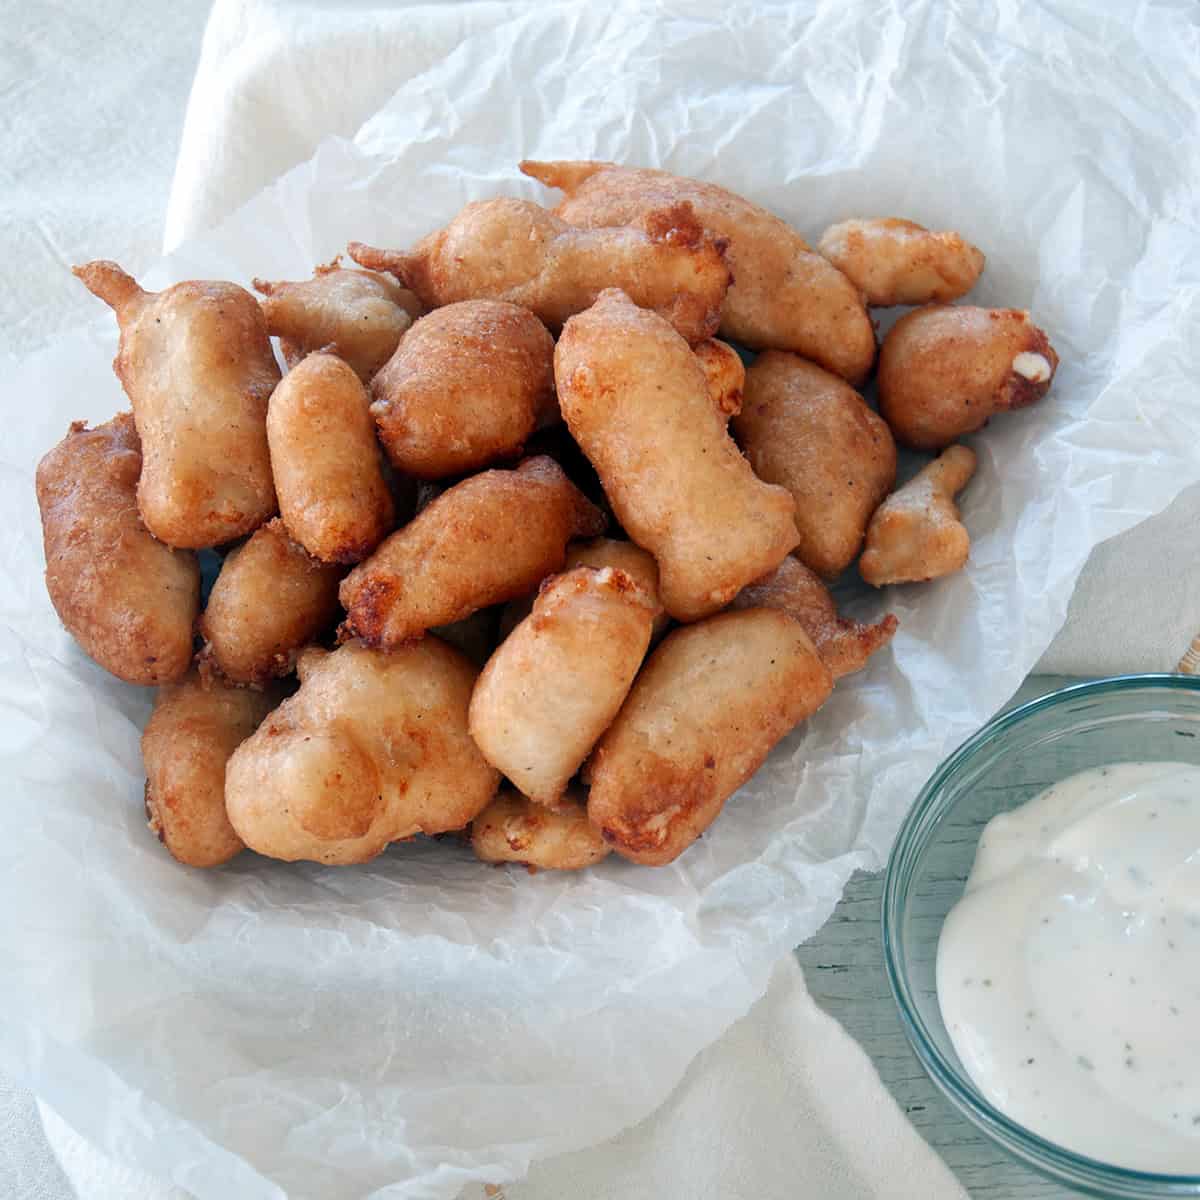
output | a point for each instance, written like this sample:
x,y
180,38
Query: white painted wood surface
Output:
x,y
843,966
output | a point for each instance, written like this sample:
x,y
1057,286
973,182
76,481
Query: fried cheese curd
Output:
x,y
707,708
917,532
466,386
598,553
726,375
556,682
127,599
515,829
196,362
807,430
843,643
328,469
486,540
371,750
517,251
784,296
357,315
893,261
945,370
194,728
636,399
270,599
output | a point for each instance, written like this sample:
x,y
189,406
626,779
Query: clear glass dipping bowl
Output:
x,y
1011,760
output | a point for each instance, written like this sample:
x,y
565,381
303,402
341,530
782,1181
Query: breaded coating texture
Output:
x,y
517,251
917,533
599,553
701,718
556,682
486,540
270,600
373,748
944,371
328,469
784,296
636,400
726,375
128,600
812,433
197,365
892,261
843,643
466,387
515,829
194,728
357,315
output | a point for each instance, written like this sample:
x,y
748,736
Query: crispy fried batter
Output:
x,y
843,643
515,829
270,599
357,315
517,251
784,296
128,600
197,366
812,433
466,387
488,539
944,371
556,682
636,400
892,261
725,373
599,553
332,494
196,725
372,749
917,533
701,718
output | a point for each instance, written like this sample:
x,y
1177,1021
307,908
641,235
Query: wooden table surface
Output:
x,y
843,966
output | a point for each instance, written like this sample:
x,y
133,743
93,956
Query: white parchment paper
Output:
x,y
400,1029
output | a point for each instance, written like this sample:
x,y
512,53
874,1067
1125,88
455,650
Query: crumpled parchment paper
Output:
x,y
400,1029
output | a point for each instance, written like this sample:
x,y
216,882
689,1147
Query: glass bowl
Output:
x,y
1013,758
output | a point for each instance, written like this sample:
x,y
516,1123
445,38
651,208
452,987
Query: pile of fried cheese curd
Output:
x,y
516,546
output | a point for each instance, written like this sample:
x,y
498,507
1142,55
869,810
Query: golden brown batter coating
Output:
x,y
812,433
784,296
466,387
843,643
944,371
197,365
128,600
357,315
599,553
486,540
271,599
194,728
726,375
333,497
701,718
517,251
373,748
892,261
917,533
636,400
556,682
515,829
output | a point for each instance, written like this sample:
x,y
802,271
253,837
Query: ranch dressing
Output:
x,y
1069,973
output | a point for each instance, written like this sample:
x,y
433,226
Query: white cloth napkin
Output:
x,y
780,1104
785,1104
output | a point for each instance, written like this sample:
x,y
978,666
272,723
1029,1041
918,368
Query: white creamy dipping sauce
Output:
x,y
1069,973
